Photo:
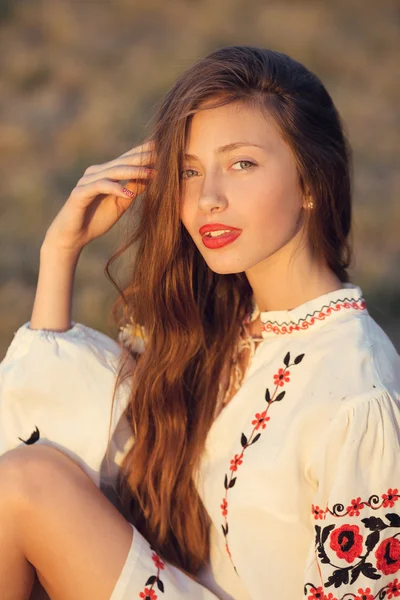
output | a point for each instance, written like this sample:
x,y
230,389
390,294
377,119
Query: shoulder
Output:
x,y
361,433
349,387
350,359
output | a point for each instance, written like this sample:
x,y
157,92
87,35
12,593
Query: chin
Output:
x,y
237,262
235,265
225,269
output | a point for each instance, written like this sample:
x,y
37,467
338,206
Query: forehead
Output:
x,y
236,121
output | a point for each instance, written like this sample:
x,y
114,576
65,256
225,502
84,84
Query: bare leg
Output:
x,y
55,520
17,575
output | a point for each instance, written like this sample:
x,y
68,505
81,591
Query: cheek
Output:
x,y
274,214
184,214
278,204
281,196
188,209
183,209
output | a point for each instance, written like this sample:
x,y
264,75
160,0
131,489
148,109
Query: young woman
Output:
x,y
240,439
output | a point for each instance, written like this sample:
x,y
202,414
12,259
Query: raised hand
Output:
x,y
99,199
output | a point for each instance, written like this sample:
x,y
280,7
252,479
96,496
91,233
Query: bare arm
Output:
x,y
93,207
53,299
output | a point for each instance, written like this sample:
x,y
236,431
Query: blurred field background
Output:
x,y
79,83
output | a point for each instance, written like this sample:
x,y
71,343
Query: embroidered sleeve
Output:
x,y
356,510
57,386
147,576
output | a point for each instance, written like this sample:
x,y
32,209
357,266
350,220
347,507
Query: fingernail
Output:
x,y
128,192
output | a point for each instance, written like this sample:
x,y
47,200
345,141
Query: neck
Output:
x,y
286,279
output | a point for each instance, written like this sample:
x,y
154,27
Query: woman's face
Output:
x,y
253,187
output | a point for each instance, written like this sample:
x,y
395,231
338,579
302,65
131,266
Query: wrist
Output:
x,y
49,248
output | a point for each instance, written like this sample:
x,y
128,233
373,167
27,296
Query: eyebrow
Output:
x,y
227,148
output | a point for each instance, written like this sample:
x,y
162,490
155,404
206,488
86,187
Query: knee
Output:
x,y
29,473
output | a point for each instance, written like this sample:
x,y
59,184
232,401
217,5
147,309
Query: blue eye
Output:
x,y
245,161
249,162
187,170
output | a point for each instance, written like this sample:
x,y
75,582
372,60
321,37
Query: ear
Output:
x,y
308,203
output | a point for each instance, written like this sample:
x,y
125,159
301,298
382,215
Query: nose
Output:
x,y
212,204
212,197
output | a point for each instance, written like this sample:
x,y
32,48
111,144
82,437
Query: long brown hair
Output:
x,y
192,316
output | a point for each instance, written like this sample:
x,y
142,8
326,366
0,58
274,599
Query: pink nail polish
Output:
x,y
128,192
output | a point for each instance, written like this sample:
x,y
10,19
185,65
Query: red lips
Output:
x,y
216,227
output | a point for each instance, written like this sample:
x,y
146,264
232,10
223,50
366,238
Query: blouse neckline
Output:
x,y
311,314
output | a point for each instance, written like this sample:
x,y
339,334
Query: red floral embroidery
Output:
x,y
157,561
316,594
224,507
260,420
359,549
281,377
388,501
318,315
393,589
390,498
364,594
317,512
355,507
347,542
236,461
389,591
148,594
388,556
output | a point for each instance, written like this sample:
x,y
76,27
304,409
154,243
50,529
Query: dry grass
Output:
x,y
79,83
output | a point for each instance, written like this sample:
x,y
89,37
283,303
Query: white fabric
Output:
x,y
302,465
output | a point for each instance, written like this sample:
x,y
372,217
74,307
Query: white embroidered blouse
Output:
x,y
301,469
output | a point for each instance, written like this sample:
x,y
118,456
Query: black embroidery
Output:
x,y
318,315
259,422
35,436
370,551
389,591
149,593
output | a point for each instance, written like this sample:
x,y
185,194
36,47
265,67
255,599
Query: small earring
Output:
x,y
310,203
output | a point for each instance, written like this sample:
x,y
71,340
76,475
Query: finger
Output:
x,y
136,188
142,152
119,173
147,146
85,194
146,159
